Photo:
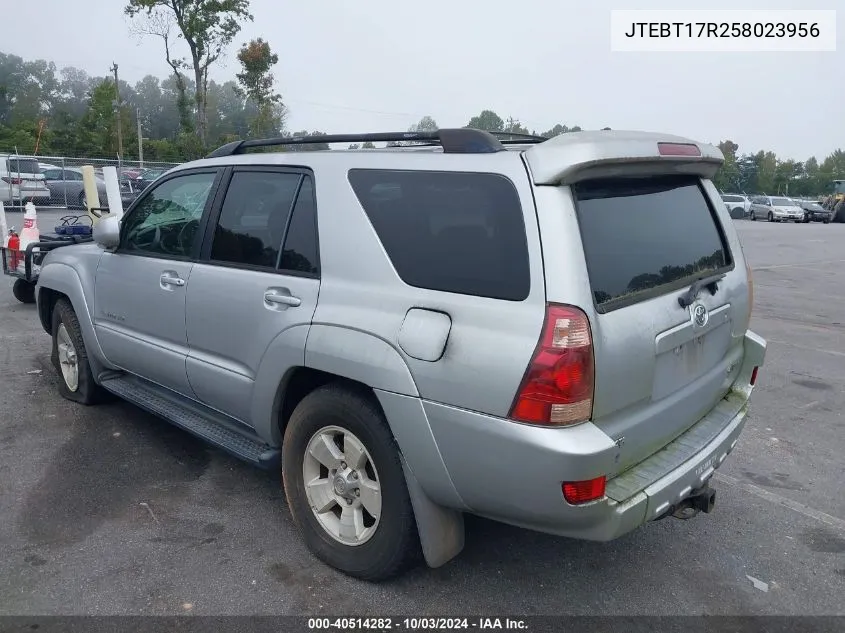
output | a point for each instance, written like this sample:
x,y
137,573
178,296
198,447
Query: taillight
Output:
x,y
678,149
12,181
754,376
576,492
557,389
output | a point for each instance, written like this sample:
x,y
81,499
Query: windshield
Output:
x,y
782,202
731,198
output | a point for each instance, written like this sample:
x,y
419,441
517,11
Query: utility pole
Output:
x,y
117,112
140,139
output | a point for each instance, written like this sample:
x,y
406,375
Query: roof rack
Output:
x,y
517,137
452,140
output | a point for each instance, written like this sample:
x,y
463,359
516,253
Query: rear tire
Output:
x,y
341,419
24,291
770,217
70,358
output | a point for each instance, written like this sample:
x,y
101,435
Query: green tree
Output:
x,y
207,27
728,178
256,83
559,129
306,148
425,124
487,120
514,127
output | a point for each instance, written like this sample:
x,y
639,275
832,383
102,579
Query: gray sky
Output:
x,y
380,65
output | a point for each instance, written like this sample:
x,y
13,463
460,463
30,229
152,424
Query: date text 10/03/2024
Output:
x,y
415,624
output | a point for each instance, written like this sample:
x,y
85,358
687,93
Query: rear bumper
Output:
x,y
512,472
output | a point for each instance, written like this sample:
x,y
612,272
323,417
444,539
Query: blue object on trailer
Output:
x,y
71,225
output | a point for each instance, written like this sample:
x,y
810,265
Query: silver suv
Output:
x,y
552,333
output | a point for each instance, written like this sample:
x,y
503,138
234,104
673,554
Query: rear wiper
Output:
x,y
711,283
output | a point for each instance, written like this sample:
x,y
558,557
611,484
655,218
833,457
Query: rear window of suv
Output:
x,y
23,166
647,237
454,232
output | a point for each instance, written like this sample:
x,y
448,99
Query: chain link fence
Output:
x,y
56,181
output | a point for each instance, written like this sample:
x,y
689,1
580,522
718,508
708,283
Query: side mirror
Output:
x,y
107,231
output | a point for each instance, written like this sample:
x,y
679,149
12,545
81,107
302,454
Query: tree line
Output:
x,y
52,111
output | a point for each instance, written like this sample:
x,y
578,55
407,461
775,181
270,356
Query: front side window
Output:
x,y
167,220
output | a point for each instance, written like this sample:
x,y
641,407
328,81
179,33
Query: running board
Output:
x,y
205,423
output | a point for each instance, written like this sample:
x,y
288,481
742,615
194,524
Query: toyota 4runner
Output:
x,y
552,333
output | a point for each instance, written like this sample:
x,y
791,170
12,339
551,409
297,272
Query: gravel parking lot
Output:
x,y
108,510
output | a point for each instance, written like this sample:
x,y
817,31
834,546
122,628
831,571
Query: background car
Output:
x,y
776,209
21,180
67,188
147,177
738,205
814,212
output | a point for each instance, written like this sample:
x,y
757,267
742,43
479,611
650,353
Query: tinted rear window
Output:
x,y
23,166
644,237
448,231
731,198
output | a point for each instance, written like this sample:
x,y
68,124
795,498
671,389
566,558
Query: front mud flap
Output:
x,y
441,530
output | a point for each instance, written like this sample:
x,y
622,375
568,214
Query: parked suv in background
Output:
x,y
554,336
21,181
776,209
738,205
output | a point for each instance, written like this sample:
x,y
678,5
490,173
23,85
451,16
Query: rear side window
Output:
x,y
449,231
646,237
253,218
300,250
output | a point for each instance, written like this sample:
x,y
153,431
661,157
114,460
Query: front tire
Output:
x,y
345,485
70,358
24,291
770,217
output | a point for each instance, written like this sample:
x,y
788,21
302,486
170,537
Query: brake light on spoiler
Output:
x,y
678,149
570,158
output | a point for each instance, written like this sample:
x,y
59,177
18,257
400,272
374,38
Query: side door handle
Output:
x,y
171,279
281,297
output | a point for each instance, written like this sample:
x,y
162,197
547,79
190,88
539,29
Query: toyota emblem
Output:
x,y
699,313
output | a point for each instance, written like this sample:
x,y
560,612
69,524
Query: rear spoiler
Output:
x,y
575,156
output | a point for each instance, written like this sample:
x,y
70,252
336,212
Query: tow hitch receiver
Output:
x,y
701,500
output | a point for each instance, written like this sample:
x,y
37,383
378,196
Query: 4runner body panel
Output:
x,y
231,328
536,460
62,275
646,393
140,322
490,341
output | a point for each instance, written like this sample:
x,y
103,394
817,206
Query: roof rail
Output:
x,y
517,137
453,141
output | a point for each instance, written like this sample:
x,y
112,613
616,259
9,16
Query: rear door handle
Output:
x,y
282,297
169,279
